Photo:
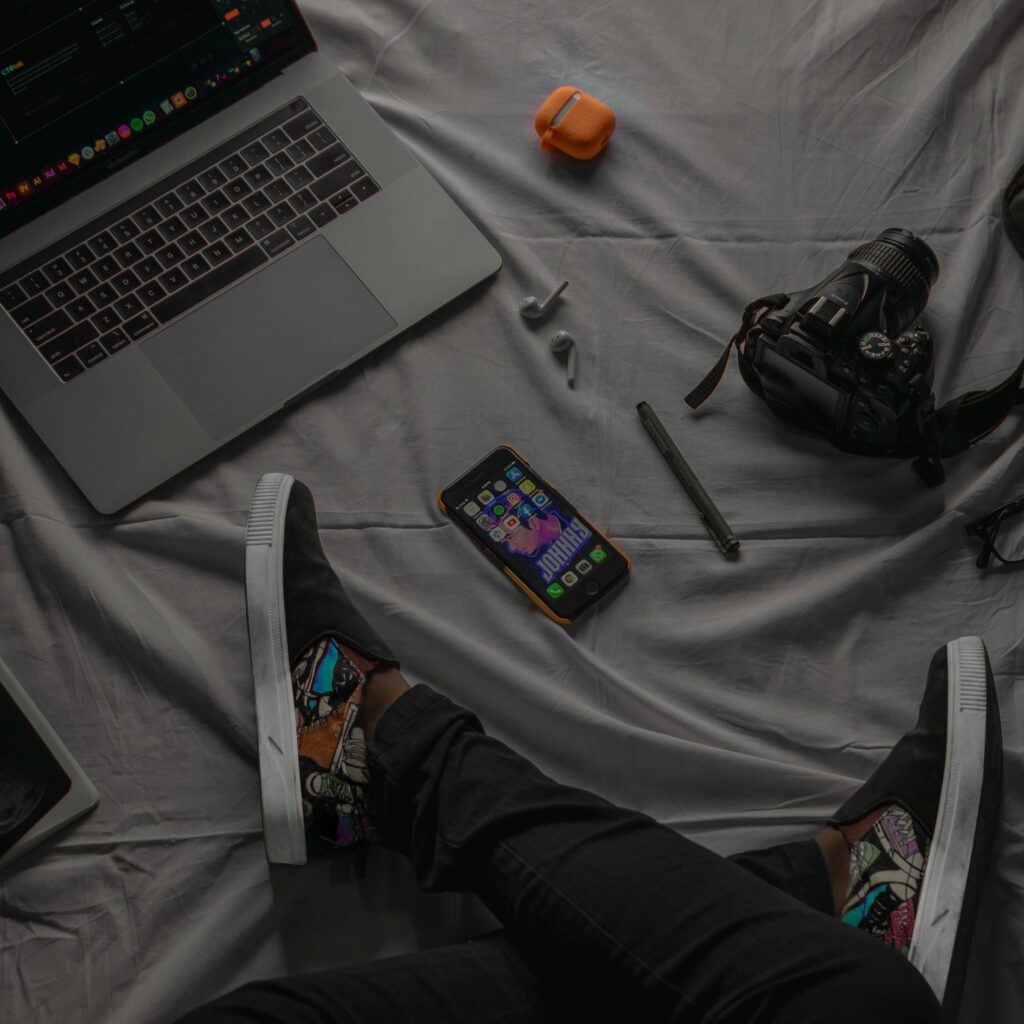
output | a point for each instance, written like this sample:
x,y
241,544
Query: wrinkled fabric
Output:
x,y
740,703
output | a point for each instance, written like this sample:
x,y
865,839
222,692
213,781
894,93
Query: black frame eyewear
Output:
x,y
986,530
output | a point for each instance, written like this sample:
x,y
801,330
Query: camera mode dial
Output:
x,y
875,346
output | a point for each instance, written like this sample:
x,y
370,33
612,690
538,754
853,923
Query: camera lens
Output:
x,y
906,264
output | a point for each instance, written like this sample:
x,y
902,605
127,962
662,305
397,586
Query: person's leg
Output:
x,y
813,871
607,897
648,908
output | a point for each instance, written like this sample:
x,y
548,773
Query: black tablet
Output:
x,y
42,787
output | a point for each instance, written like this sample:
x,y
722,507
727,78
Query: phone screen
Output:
x,y
531,528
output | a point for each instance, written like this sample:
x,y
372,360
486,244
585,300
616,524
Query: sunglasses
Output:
x,y
986,529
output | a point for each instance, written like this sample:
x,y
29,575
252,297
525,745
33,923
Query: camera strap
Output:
x,y
965,420
757,309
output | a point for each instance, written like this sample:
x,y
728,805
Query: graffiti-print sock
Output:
x,y
888,855
329,679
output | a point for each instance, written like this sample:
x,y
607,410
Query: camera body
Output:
x,y
845,357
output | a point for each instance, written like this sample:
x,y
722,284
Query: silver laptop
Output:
x,y
200,220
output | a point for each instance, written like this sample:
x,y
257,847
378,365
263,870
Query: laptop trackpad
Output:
x,y
263,341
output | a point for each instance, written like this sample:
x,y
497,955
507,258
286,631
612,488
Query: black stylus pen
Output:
x,y
712,518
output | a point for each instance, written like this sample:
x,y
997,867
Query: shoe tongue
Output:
x,y
855,831
315,602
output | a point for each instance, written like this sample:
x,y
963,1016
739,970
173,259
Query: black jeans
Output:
x,y
605,911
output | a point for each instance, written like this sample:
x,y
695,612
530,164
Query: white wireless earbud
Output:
x,y
563,341
533,309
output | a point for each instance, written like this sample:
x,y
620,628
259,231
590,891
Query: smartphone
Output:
x,y
534,535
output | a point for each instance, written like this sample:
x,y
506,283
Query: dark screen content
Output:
x,y
536,533
84,90
31,781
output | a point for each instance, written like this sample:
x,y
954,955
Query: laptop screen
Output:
x,y
86,87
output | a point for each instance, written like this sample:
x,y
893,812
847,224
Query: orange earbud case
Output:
x,y
574,122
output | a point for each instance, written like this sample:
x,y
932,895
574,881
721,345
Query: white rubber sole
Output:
x,y
940,902
280,789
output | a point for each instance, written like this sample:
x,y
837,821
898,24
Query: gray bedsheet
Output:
x,y
738,703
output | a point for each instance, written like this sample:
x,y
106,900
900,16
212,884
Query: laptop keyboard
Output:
x,y
136,269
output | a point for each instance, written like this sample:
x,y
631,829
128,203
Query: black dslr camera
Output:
x,y
846,359
839,358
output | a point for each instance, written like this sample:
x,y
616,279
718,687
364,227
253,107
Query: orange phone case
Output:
x,y
512,576
574,122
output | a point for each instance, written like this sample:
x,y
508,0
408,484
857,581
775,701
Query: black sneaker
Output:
x,y
922,827
312,653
